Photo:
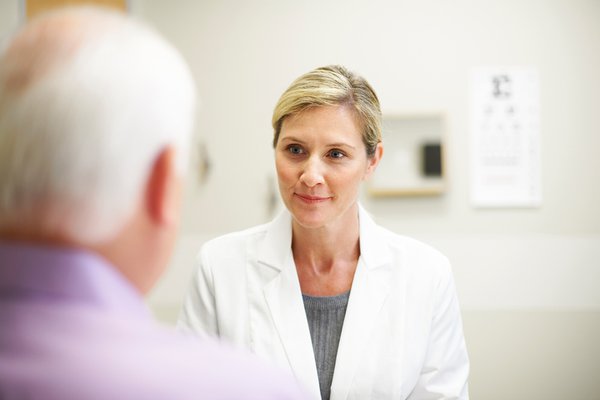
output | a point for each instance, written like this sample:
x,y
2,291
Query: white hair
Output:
x,y
80,131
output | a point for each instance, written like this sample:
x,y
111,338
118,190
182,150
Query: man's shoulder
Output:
x,y
112,357
212,368
209,367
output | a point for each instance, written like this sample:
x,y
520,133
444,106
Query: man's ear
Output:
x,y
373,161
162,189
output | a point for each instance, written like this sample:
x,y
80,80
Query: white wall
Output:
x,y
527,278
417,55
10,15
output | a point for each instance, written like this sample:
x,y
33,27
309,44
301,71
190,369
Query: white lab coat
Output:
x,y
402,336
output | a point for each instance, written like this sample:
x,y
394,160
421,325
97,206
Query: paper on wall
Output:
x,y
505,137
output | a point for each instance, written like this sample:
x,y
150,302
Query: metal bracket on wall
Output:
x,y
204,163
272,195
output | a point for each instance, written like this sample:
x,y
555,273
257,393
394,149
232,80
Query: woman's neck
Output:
x,y
326,257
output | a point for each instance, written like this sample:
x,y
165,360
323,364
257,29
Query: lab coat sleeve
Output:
x,y
446,368
198,313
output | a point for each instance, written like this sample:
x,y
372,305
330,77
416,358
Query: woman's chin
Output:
x,y
309,220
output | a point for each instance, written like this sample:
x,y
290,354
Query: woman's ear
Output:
x,y
163,189
373,161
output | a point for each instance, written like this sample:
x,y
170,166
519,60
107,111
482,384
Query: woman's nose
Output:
x,y
312,174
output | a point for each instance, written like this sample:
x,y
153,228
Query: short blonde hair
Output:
x,y
332,85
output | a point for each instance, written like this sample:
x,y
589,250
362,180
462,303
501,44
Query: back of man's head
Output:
x,y
88,100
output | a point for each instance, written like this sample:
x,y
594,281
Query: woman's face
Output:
x,y
321,160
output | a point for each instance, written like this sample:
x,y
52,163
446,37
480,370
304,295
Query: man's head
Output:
x,y
96,112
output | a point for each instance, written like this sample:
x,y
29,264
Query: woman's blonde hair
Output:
x,y
332,85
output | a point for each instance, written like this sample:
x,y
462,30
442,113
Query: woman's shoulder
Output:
x,y
381,239
234,240
414,253
228,253
409,243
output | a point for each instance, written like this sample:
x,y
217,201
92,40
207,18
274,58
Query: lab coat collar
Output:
x,y
277,245
284,300
370,288
373,247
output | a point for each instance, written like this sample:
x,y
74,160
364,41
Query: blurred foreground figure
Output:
x,y
96,112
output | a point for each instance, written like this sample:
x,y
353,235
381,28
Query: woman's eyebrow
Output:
x,y
292,139
300,141
340,144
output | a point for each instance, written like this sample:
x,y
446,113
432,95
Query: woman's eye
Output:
x,y
336,154
293,149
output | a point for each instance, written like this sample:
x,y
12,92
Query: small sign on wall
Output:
x,y
505,137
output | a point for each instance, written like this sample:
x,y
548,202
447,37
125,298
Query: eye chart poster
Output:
x,y
505,137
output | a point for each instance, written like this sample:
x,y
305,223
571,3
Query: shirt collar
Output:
x,y
48,273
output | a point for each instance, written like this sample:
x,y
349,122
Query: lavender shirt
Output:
x,y
71,327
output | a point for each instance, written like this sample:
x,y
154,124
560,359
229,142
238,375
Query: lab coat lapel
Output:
x,y
370,289
284,300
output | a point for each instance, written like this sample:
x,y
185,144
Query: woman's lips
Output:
x,y
312,199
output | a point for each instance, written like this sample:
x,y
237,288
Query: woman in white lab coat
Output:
x,y
352,309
